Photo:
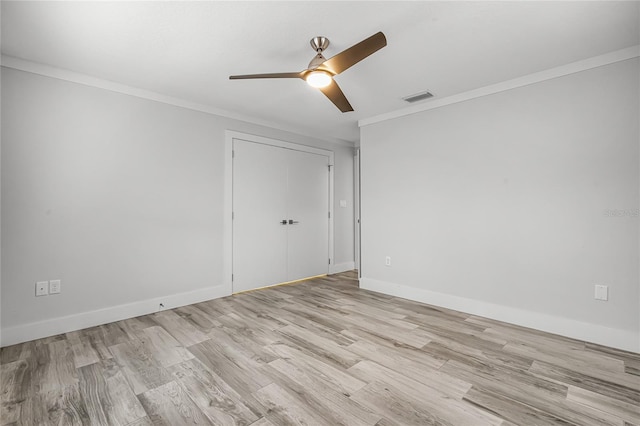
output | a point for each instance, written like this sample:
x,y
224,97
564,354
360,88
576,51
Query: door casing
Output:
x,y
230,135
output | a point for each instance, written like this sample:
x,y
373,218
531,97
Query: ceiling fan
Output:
x,y
321,71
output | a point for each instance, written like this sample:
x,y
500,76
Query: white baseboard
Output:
x,y
51,327
342,267
594,333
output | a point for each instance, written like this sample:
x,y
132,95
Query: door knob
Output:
x,y
291,221
284,222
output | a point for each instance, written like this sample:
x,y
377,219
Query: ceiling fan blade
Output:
x,y
354,54
272,75
335,95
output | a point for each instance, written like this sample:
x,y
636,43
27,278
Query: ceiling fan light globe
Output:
x,y
318,79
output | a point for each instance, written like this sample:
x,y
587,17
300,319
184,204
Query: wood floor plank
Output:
x,y
631,360
528,389
132,326
21,402
145,421
169,405
15,386
396,408
10,414
451,337
522,334
431,400
586,380
60,370
139,366
283,409
184,331
624,410
425,372
244,380
64,406
241,355
444,320
217,399
230,341
606,418
389,347
319,324
247,331
262,422
107,396
115,333
414,337
13,353
12,377
355,334
197,317
167,350
632,367
369,309
321,396
576,359
319,346
512,410
246,308
476,357
416,309
339,377
93,341
217,307
83,351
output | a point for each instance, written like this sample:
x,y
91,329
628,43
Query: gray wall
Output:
x,y
119,197
500,205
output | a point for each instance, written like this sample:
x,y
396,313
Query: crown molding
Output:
x,y
572,68
87,80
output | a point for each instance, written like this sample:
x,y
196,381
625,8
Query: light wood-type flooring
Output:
x,y
321,352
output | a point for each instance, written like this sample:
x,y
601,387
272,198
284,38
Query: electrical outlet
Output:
x,y
55,287
42,288
387,261
602,292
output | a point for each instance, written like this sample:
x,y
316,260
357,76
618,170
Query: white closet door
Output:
x,y
259,206
271,185
308,208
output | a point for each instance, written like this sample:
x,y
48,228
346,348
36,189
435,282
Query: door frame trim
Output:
x,y
357,244
230,135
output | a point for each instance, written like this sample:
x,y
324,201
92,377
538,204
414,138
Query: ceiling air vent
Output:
x,y
418,97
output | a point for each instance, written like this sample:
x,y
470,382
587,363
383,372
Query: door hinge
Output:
x,y
233,154
329,215
329,261
231,277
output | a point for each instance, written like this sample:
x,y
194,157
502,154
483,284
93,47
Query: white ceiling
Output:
x,y
187,50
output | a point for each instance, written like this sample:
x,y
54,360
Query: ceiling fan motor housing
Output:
x,y
319,43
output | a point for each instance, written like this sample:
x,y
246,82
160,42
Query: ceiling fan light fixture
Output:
x,y
318,79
